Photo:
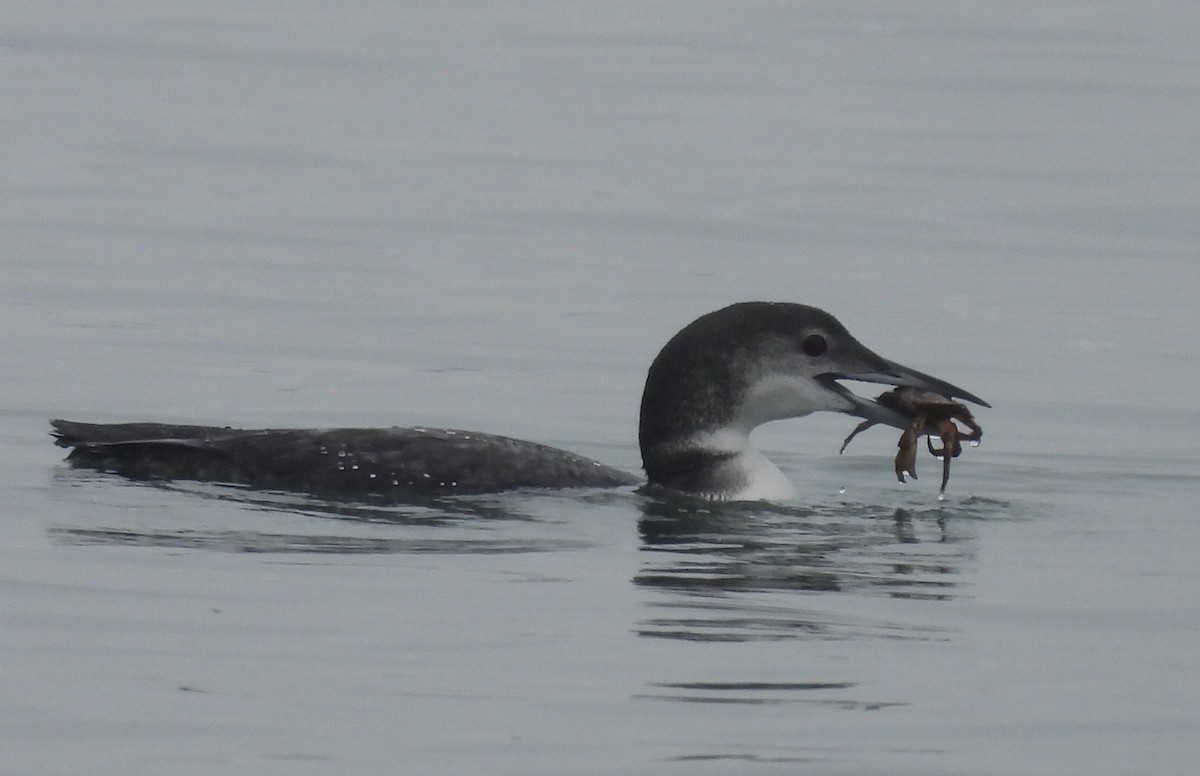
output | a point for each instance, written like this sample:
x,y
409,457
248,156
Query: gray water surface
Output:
x,y
492,218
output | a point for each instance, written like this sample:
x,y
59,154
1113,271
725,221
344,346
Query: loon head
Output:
x,y
736,368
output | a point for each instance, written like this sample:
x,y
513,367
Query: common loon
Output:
x,y
713,383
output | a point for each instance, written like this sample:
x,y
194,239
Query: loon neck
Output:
x,y
718,466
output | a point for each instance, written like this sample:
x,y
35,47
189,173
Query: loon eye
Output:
x,y
814,345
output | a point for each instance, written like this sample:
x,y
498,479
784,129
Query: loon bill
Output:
x,y
713,383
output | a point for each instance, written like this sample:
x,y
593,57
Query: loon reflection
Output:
x,y
710,386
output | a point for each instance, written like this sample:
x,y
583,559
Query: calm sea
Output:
x,y
491,216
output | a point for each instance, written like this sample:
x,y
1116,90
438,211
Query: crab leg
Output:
x,y
866,424
906,458
951,448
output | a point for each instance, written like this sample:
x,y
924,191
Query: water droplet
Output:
x,y
974,443
355,467
372,473
341,466
941,496
324,450
395,482
342,453
842,491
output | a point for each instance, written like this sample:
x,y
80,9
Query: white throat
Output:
x,y
780,396
759,480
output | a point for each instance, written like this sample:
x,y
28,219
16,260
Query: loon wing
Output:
x,y
349,461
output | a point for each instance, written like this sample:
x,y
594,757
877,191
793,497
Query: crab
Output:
x,y
931,414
